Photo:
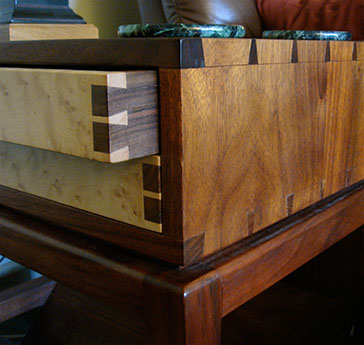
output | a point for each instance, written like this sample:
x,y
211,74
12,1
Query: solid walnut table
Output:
x,y
179,149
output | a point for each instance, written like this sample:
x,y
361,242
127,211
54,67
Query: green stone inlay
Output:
x,y
181,30
308,35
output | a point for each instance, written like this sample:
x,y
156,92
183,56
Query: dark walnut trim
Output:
x,y
167,300
153,210
192,54
253,55
152,178
130,116
173,53
294,57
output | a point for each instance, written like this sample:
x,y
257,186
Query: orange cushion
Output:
x,y
329,15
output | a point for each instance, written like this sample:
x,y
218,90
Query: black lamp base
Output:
x,y
38,11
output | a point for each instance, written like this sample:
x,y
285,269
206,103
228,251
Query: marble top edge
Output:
x,y
181,31
308,35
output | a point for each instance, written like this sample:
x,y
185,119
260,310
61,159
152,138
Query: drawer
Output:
x,y
127,192
105,116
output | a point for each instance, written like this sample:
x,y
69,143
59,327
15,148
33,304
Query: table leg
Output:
x,y
167,315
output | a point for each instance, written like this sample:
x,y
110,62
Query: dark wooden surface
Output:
x,y
286,315
95,54
319,303
24,297
75,319
269,260
173,52
182,305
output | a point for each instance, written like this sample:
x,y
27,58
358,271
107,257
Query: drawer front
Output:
x,y
127,192
104,116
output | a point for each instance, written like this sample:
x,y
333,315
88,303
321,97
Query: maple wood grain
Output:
x,y
23,31
106,116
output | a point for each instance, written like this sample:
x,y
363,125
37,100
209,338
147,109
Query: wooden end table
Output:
x,y
257,167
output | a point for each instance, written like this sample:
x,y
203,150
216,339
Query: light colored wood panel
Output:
x,y
334,184
341,51
251,143
111,190
304,198
25,32
266,215
274,51
59,110
219,52
311,51
359,46
356,174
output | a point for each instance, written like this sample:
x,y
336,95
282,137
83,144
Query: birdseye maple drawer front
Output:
x,y
128,192
60,130
105,116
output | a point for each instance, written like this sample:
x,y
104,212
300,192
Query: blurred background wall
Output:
x,y
107,15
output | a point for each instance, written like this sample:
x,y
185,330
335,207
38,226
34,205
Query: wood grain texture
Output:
x,y
238,154
24,32
114,191
59,110
270,52
171,152
175,304
259,147
24,297
294,246
358,53
150,53
167,53
72,318
188,310
229,50
341,52
164,305
313,51
150,243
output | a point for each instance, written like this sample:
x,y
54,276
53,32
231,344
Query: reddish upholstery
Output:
x,y
342,15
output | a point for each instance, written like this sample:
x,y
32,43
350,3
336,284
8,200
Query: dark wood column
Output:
x,y
38,11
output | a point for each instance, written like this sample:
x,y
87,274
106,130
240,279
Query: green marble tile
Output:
x,y
308,35
181,30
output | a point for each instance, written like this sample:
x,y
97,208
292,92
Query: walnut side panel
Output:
x,y
232,52
106,116
114,191
261,142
